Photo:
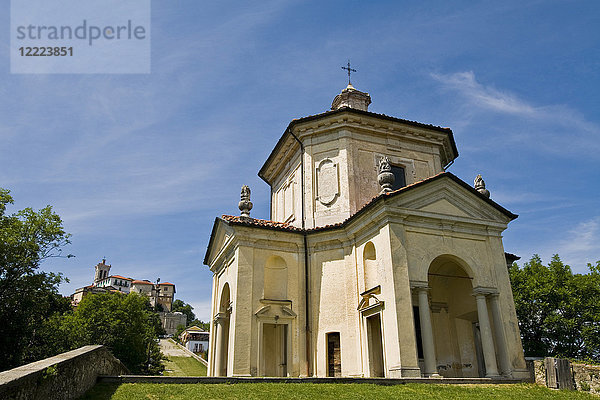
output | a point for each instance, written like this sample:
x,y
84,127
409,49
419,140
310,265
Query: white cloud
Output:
x,y
485,97
582,243
554,128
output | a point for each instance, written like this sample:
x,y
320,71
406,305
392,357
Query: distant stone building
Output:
x,y
172,320
161,294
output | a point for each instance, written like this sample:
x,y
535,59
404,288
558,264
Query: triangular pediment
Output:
x,y
446,197
444,206
220,237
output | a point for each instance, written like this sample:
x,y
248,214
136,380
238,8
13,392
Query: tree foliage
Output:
x,y
28,297
200,324
126,324
558,311
180,306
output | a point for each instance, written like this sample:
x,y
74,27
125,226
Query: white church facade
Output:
x,y
376,262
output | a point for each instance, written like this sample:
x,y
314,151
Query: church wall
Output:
x,y
356,154
385,277
328,195
293,258
340,165
468,359
425,244
244,272
225,276
334,299
407,364
507,309
419,162
241,320
286,199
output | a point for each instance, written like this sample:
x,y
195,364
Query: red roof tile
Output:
x,y
138,282
261,223
167,283
237,220
247,221
120,277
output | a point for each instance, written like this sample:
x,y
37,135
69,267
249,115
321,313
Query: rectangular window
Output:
x,y
334,355
400,178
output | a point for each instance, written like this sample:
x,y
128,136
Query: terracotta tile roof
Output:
x,y
138,282
120,277
166,283
282,226
369,113
247,221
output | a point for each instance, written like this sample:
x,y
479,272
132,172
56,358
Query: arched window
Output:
x,y
276,277
370,266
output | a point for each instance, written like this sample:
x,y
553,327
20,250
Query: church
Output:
x,y
375,262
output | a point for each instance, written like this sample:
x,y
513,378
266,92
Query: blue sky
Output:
x,y
138,166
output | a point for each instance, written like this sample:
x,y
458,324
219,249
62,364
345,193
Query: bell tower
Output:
x,y
102,271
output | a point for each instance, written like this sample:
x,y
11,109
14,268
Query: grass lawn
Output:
x,y
184,366
249,391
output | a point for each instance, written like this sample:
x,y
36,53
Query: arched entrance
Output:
x,y
453,324
222,333
454,319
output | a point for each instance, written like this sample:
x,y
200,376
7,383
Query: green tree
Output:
x,y
200,324
126,324
180,306
178,332
28,297
558,311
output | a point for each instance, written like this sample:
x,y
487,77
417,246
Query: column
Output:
x,y
503,358
218,357
487,341
427,333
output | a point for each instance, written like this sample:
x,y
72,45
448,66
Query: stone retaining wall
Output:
x,y
586,377
65,376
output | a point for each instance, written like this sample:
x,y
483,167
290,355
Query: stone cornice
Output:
x,y
358,120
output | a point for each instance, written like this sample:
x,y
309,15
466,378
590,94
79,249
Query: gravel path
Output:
x,y
168,348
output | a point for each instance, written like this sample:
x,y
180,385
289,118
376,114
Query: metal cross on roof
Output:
x,y
350,70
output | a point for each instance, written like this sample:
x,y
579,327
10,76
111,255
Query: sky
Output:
x,y
139,165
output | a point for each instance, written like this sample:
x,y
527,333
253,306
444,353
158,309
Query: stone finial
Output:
x,y
385,176
479,185
350,97
245,205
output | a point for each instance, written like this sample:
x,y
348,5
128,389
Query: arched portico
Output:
x,y
457,336
222,332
